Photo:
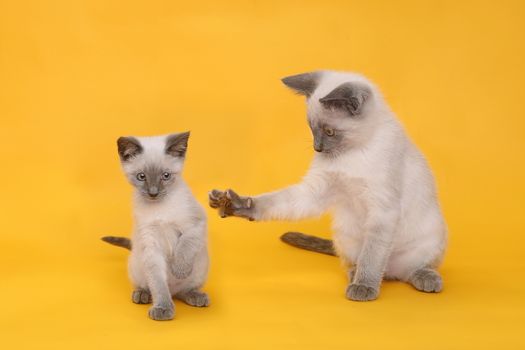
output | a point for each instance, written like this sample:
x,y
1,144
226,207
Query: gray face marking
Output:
x,y
304,84
128,147
327,139
153,171
177,144
155,183
348,96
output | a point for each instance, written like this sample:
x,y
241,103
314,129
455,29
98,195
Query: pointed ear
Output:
x,y
128,147
303,84
177,144
349,96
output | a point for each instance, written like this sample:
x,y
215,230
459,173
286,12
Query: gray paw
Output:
x,y
141,296
230,203
162,312
360,292
195,298
427,280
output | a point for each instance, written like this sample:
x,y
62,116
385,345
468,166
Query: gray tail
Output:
x,y
312,243
118,241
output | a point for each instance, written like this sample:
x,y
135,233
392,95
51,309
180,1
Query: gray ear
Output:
x,y
177,144
128,147
304,84
350,96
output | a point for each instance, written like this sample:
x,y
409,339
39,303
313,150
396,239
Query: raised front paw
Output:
x,y
181,268
360,292
230,203
162,312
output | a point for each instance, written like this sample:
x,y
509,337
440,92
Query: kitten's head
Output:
x,y
153,164
339,108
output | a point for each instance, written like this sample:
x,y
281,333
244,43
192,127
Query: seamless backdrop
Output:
x,y
75,75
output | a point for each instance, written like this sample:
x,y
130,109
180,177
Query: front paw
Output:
x,y
162,312
360,292
141,296
216,198
230,203
181,269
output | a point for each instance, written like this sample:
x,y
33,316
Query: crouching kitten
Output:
x,y
169,256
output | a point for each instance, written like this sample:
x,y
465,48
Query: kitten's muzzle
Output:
x,y
318,143
153,192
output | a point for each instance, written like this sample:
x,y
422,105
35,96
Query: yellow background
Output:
x,y
75,75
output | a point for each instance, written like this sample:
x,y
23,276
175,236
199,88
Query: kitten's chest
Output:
x,y
353,165
159,226
171,216
349,193
348,182
162,235
347,177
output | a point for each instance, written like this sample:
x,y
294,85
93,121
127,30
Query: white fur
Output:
x,y
170,234
386,217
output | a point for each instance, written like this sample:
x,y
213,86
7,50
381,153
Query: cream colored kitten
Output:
x,y
386,217
169,257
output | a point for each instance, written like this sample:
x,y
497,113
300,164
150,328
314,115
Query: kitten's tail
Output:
x,y
118,241
312,243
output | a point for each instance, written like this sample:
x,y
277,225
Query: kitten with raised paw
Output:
x,y
387,221
169,253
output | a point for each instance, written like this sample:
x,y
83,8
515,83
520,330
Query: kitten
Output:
x,y
169,257
378,186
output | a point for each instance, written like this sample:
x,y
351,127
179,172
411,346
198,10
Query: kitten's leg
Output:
x,y
372,259
194,297
190,243
426,280
156,276
368,274
307,199
141,296
351,273
292,203
417,262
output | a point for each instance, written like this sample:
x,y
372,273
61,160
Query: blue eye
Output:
x,y
166,176
141,176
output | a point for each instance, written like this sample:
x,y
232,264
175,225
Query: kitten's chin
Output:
x,y
332,154
150,199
